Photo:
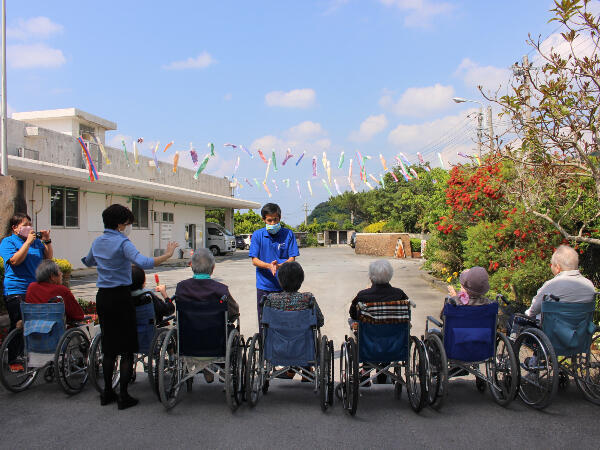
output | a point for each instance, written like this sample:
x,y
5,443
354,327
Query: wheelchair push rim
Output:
x,y
153,359
502,371
538,368
587,372
234,356
349,376
325,373
437,371
95,368
416,374
170,371
255,376
71,361
15,381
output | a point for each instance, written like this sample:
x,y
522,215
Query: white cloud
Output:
x,y
305,130
583,46
202,61
419,101
419,12
27,56
304,136
489,77
371,126
447,135
296,98
34,28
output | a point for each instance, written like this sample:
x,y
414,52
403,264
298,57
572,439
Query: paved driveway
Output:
x,y
289,416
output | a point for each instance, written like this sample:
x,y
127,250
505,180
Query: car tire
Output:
x,y
215,250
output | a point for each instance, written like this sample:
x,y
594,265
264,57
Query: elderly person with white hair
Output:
x,y
568,284
380,274
201,287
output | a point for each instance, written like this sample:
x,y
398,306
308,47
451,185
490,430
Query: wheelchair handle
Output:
x,y
502,299
548,297
450,300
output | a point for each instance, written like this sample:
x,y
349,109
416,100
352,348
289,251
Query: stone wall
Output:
x,y
8,193
381,244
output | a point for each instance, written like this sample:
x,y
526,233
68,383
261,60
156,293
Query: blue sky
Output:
x,y
326,75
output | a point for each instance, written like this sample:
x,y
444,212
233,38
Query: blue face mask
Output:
x,y
273,229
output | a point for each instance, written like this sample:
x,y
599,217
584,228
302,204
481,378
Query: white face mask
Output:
x,y
127,230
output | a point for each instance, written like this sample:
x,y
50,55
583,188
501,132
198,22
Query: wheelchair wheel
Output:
x,y
349,376
325,374
538,368
153,357
416,374
233,369
437,375
255,376
95,370
587,372
16,381
71,361
331,373
170,370
503,371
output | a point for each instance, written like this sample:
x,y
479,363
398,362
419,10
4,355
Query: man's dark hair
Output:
x,y
115,215
290,276
138,277
16,220
270,209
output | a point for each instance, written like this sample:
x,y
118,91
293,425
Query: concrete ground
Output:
x,y
289,416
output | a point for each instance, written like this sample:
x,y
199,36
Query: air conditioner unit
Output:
x,y
28,153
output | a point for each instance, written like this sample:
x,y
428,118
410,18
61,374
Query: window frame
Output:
x,y
64,190
137,214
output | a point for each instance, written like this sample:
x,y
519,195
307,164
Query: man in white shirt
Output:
x,y
568,284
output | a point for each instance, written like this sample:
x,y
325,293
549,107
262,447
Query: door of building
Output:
x,y
190,235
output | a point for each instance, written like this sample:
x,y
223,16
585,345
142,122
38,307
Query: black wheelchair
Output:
x,y
291,341
383,345
467,338
47,343
150,336
202,339
564,344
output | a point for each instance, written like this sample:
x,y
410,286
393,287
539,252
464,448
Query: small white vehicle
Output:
x,y
218,239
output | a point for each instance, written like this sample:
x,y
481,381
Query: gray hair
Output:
x,y
46,270
565,257
380,271
203,261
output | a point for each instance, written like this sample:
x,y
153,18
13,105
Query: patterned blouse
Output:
x,y
294,301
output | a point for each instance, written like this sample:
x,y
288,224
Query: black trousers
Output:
x,y
13,306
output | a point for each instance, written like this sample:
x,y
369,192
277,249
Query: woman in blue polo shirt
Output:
x,y
22,253
270,247
113,253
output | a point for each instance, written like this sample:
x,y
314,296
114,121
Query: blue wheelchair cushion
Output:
x,y
470,332
289,337
43,326
383,343
145,323
201,325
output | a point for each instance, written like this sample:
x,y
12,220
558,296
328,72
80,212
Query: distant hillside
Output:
x,y
326,212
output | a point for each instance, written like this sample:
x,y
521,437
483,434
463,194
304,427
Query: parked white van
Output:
x,y
218,239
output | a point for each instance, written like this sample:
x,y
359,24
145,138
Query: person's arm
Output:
x,y
536,303
73,309
171,246
89,260
233,309
143,262
48,250
19,256
353,309
162,308
320,317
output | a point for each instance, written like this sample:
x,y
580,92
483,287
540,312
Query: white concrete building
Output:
x,y
55,190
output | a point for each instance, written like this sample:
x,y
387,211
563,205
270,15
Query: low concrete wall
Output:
x,y
381,244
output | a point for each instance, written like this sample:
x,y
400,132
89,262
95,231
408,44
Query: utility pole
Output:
x,y
490,127
479,130
526,86
306,214
3,141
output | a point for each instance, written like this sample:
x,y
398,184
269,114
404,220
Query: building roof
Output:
x,y
119,185
49,114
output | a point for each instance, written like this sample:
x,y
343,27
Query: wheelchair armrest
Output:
x,y
435,321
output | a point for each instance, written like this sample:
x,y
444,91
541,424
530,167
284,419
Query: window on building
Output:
x,y
139,207
164,217
64,207
85,129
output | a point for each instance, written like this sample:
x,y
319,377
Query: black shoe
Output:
x,y
126,401
108,397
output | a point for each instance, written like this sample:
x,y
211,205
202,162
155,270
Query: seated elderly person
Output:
x,y
291,277
380,274
568,284
474,284
49,285
202,288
